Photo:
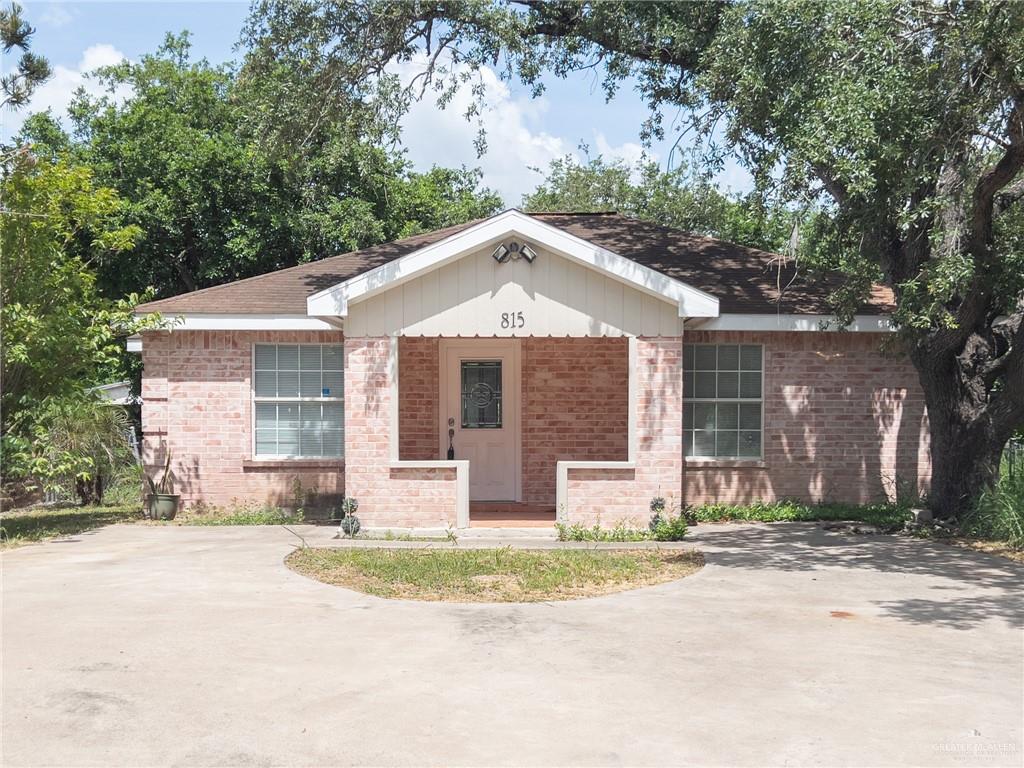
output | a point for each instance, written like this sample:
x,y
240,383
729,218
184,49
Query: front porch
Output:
x,y
573,429
513,408
496,514
515,365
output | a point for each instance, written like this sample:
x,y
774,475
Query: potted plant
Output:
x,y
162,504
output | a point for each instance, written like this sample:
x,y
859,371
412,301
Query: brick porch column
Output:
x,y
389,492
612,494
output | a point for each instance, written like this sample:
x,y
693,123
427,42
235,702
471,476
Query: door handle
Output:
x,y
451,446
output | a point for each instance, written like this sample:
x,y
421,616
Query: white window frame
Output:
x,y
254,400
716,400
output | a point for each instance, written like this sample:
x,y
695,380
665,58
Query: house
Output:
x,y
526,366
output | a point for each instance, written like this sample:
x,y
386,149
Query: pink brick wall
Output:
x,y
197,402
387,497
574,400
575,396
418,398
609,496
843,422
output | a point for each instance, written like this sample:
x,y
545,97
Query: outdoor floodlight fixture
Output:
x,y
513,252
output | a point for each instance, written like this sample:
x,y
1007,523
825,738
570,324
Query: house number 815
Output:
x,y
513,320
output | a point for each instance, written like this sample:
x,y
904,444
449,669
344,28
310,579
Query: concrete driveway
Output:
x,y
139,645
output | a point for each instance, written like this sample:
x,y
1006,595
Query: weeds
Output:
x,y
241,514
620,532
999,513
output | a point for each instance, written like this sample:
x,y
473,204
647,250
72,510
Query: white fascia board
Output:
x,y
236,322
335,300
765,322
133,343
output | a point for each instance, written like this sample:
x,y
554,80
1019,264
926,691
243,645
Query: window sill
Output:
x,y
700,463
251,465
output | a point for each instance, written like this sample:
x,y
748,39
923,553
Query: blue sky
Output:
x,y
522,132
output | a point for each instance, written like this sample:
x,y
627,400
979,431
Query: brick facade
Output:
x,y
387,496
843,421
197,403
608,496
418,398
575,395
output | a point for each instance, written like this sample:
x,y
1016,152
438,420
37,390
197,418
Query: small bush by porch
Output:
x,y
493,575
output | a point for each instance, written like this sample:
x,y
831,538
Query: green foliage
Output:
x,y
242,514
669,528
125,487
621,531
901,123
668,521
674,198
999,512
76,444
42,523
19,82
213,203
59,332
886,516
165,484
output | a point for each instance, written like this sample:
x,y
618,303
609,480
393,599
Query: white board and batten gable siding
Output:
x,y
477,296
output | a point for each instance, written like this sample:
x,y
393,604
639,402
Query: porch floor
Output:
x,y
499,514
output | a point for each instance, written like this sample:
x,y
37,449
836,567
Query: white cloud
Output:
x,y
629,151
517,139
56,93
55,15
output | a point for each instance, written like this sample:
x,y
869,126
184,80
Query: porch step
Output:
x,y
509,515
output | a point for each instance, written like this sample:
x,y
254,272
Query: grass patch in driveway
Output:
x,y
502,575
27,526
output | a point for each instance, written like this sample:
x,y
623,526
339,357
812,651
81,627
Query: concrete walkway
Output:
x,y
137,645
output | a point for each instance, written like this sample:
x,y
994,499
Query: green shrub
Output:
x,y
78,443
887,516
999,513
668,523
669,528
620,532
125,487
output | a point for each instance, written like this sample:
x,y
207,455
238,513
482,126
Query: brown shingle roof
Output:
x,y
745,280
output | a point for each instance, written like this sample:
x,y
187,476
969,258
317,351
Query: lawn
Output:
x,y
492,575
21,527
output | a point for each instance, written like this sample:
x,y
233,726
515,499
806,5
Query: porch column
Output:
x,y
390,492
607,493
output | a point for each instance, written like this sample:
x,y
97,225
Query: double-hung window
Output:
x,y
723,388
299,400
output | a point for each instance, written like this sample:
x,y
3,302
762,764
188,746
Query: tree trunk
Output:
x,y
90,491
965,462
967,441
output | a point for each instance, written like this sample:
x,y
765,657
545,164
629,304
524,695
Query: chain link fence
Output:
x,y
1013,457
